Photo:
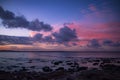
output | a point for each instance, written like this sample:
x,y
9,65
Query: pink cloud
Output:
x,y
97,30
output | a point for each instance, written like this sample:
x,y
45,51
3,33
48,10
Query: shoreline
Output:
x,y
106,70
65,51
109,73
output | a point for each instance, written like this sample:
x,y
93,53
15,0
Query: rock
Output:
x,y
19,63
97,61
71,70
111,67
69,63
72,66
82,68
106,61
14,66
76,64
95,64
47,69
24,69
60,69
30,61
9,68
69,79
118,62
57,62
32,67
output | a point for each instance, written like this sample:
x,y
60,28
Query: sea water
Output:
x,y
35,61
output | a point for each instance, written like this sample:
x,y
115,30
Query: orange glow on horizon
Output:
x,y
32,33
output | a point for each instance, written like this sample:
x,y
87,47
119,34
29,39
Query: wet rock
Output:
x,y
19,63
32,67
106,61
69,63
60,69
118,62
47,69
76,64
69,79
97,61
102,64
9,67
30,61
71,70
94,68
24,69
111,67
14,66
83,62
95,64
4,61
57,62
1,67
72,66
82,68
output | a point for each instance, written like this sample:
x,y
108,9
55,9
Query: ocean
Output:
x,y
35,61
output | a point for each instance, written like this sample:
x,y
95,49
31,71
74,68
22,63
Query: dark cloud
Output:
x,y
17,22
116,44
38,37
74,44
36,25
107,42
94,43
14,40
9,20
6,15
111,43
48,39
65,34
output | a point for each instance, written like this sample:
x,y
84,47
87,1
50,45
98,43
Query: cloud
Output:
x,y
6,15
116,44
9,20
108,30
17,22
6,40
38,37
65,34
94,43
107,42
111,43
36,25
74,44
48,39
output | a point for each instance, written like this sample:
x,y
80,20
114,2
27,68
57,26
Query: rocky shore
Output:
x,y
85,69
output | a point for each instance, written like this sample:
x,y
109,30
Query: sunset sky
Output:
x,y
60,25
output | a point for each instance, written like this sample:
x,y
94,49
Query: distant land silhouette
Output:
x,y
64,51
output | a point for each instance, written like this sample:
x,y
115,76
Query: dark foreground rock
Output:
x,y
62,74
101,69
47,69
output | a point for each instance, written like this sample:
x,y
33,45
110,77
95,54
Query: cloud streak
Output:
x,y
7,40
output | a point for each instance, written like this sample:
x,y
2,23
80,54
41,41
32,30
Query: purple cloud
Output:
x,y
65,34
9,20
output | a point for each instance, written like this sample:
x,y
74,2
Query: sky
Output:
x,y
74,25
